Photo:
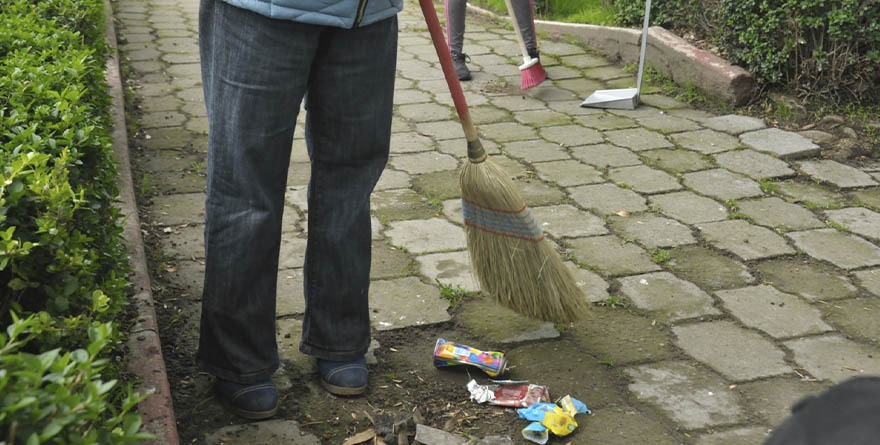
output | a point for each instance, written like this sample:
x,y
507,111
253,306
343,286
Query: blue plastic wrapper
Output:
x,y
536,432
557,417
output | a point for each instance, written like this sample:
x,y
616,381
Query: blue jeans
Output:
x,y
256,72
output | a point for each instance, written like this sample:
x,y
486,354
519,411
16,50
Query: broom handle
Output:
x,y
461,107
516,29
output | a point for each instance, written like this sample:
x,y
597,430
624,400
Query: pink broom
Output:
x,y
531,72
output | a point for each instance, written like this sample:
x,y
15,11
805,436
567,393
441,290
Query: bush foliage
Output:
x,y
821,49
62,260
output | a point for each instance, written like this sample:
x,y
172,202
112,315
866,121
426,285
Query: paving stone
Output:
x,y
439,185
747,241
676,160
690,396
403,302
807,279
178,209
565,220
452,211
184,242
734,124
644,179
538,193
754,164
266,432
869,198
604,155
568,173
637,139
495,324
507,132
857,319
837,174
619,337
778,214
595,289
736,353
834,358
410,142
721,184
659,100
781,143
611,256
293,250
541,118
772,399
652,231
606,199
666,123
779,314
487,114
688,207
186,276
426,162
399,204
707,268
810,194
841,249
535,150
858,220
449,268
388,261
706,141
623,424
426,236
290,297
737,436
870,280
669,297
571,135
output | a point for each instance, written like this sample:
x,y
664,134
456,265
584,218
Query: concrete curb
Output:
x,y
673,56
145,358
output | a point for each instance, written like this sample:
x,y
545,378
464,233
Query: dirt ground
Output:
x,y
405,388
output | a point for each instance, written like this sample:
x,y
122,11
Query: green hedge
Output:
x,y
829,49
825,50
62,261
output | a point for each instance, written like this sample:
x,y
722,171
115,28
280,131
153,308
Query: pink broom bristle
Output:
x,y
532,74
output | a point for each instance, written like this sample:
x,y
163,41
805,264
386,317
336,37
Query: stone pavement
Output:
x,y
732,271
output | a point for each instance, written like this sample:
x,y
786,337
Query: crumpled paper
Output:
x,y
557,418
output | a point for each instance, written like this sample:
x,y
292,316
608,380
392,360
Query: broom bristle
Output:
x,y
512,260
532,74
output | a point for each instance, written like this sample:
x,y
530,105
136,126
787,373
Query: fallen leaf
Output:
x,y
363,436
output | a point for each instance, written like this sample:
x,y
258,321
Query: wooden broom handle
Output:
x,y
437,37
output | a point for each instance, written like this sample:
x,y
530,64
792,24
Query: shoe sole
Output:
x,y
249,415
343,391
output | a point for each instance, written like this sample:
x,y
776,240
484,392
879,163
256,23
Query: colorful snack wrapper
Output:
x,y
447,353
557,417
516,394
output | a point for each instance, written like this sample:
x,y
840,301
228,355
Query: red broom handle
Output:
x,y
437,37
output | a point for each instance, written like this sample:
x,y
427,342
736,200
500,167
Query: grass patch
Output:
x,y
453,294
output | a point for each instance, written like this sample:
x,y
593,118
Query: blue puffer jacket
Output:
x,y
340,14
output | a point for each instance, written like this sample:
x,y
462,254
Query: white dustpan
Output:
x,y
623,98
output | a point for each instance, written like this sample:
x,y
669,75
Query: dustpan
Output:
x,y
623,98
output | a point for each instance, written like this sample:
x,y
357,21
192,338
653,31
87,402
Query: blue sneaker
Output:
x,y
254,401
345,378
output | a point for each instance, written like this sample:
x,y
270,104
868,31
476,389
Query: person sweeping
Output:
x,y
523,12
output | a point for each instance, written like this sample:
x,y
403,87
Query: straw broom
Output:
x,y
512,260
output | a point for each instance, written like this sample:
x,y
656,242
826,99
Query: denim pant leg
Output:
x,y
255,73
348,129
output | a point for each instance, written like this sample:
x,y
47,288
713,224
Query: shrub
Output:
x,y
697,16
62,260
60,397
827,49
